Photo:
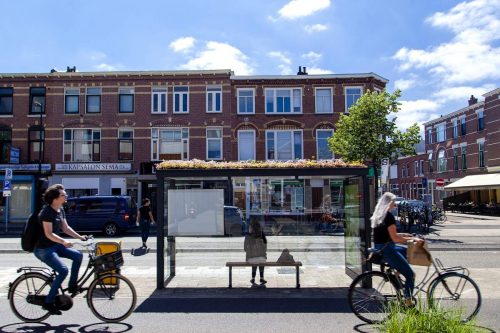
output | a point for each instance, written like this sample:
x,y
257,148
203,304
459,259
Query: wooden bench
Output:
x,y
232,264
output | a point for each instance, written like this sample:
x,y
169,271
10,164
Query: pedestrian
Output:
x,y
385,237
144,220
255,246
51,247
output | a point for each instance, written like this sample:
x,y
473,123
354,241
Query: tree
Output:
x,y
369,132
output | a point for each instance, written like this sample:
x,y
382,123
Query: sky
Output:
x,y
437,52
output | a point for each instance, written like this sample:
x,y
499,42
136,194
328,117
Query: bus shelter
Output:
x,y
220,199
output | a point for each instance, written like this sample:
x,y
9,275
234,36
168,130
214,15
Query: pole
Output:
x,y
41,138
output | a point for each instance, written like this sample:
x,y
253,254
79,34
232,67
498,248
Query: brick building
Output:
x,y
459,144
102,132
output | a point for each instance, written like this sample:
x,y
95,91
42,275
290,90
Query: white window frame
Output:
x,y
126,91
441,161
71,92
440,132
156,141
454,121
421,167
480,142
463,156
181,100
429,135
254,146
214,139
346,96
214,90
464,123
416,166
317,143
292,132
72,141
480,118
160,93
121,130
316,104
239,90
292,91
93,91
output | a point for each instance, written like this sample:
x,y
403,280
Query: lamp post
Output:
x,y
41,138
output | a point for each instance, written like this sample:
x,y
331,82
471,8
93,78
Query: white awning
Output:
x,y
476,182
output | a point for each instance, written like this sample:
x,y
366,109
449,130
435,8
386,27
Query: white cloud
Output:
x,y
97,56
404,84
416,111
105,67
316,70
312,56
315,28
183,44
280,56
218,55
462,93
471,56
300,8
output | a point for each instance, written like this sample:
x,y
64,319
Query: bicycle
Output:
x,y
110,296
372,294
438,215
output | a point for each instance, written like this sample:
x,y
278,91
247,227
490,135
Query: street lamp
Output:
x,y
40,157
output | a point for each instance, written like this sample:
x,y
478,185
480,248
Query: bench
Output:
x,y
232,264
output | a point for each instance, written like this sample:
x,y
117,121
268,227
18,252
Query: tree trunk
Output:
x,y
375,176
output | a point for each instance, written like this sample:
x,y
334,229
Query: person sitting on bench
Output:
x,y
255,246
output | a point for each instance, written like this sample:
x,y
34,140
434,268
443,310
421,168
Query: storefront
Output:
x,y
192,202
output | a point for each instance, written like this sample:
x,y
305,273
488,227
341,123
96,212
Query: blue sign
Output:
x,y
14,155
424,182
6,185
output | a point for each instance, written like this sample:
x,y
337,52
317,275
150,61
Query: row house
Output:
x,y
460,144
101,133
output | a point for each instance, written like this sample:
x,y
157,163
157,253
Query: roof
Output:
x,y
476,182
309,76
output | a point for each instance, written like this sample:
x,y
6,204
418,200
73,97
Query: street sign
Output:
x,y
14,155
6,185
439,182
7,193
8,174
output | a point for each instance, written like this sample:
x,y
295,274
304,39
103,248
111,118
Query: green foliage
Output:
x,y
424,319
369,132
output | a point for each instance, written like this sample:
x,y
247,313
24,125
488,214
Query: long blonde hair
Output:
x,y
381,208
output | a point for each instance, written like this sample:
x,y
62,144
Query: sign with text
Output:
x,y
25,167
8,174
98,167
14,155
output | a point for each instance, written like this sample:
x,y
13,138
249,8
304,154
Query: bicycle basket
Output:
x,y
108,262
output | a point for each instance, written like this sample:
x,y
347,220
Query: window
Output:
x,y
6,99
214,143
246,145
463,126
323,151
181,99
93,102
441,161
126,100
214,99
36,136
71,100
169,144
403,171
441,132
125,144
480,120
429,135
159,100
455,158
481,154
464,157
283,145
417,168
286,195
421,167
407,169
324,100
5,143
431,163
246,101
37,100
352,94
455,128
283,100
82,145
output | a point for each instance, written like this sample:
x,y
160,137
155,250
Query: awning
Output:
x,y
476,182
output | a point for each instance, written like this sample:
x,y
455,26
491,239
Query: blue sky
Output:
x,y
437,52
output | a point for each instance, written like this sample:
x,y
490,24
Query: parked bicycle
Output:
x,y
438,215
372,293
110,296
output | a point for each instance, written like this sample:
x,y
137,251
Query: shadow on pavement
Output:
x,y
247,300
66,328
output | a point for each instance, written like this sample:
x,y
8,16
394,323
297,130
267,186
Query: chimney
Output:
x,y
70,69
302,71
472,100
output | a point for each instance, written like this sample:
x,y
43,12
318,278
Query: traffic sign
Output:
x,y
8,174
6,193
439,182
6,185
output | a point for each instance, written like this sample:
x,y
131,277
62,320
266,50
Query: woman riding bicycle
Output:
x,y
385,237
51,247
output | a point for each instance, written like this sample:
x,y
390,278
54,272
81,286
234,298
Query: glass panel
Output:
x,y
354,224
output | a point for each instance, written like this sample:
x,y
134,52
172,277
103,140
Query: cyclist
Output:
x,y
385,237
50,247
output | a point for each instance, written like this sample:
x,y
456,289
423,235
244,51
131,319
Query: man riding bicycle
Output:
x,y
50,247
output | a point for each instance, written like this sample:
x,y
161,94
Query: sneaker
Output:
x,y
252,281
73,290
408,303
262,281
52,308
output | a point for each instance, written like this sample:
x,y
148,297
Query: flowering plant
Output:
x,y
298,164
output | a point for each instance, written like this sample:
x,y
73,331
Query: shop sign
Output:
x,y
94,167
25,167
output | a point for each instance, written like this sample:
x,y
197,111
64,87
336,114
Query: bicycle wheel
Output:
x,y
111,297
27,294
442,217
457,293
371,295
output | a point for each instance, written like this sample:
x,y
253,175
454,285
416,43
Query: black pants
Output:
x,y
254,271
145,230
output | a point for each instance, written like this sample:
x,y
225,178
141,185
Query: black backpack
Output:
x,y
31,233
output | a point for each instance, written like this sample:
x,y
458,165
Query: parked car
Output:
x,y
108,214
234,222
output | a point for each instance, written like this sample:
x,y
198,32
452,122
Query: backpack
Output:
x,y
31,233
